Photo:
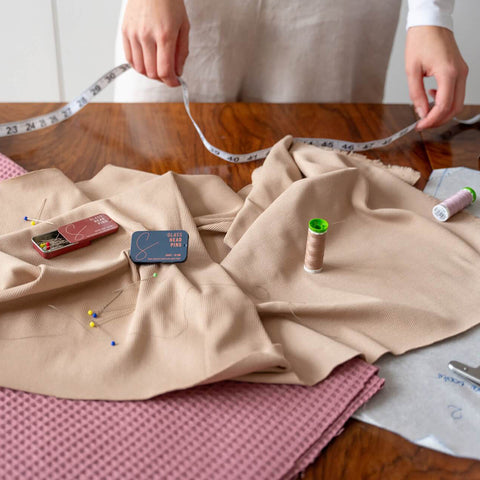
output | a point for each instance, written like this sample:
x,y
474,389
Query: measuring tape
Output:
x,y
62,114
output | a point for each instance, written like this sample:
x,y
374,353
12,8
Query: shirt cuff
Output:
x,y
430,12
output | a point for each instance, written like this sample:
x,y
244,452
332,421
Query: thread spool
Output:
x,y
317,231
454,204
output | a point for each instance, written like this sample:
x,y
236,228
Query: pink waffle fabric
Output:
x,y
227,430
9,168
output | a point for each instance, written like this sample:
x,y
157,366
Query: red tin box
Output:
x,y
73,236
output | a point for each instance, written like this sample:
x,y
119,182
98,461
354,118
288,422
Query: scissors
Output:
x,y
465,371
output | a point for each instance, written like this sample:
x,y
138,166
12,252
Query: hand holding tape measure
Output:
x,y
67,111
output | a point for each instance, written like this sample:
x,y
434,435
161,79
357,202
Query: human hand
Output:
x,y
155,38
432,51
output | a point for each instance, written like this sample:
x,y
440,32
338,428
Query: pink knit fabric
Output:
x,y
222,431
9,169
226,430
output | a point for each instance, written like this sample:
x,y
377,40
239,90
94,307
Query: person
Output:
x,y
277,51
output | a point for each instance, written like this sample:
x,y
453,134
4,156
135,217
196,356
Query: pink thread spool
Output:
x,y
454,204
317,231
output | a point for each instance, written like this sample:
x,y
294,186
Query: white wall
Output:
x,y
51,50
87,31
28,65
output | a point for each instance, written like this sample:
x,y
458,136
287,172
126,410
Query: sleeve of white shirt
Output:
x,y
430,12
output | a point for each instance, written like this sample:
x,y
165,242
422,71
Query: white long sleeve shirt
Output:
x,y
430,12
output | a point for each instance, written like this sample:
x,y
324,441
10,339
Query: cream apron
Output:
x,y
278,51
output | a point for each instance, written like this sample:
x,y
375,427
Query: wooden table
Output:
x,y
160,137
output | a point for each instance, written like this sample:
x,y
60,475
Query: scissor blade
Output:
x,y
470,373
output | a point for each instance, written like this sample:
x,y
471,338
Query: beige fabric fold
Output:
x,y
241,306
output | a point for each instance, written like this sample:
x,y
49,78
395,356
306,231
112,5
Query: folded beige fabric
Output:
x,y
241,306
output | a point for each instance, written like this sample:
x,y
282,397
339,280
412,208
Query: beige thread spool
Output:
x,y
317,232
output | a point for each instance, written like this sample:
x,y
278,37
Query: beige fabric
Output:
x,y
394,279
278,51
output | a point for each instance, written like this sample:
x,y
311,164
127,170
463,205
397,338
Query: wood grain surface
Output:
x,y
454,144
159,137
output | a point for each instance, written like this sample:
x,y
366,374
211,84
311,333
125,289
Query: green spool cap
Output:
x,y
472,191
318,225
